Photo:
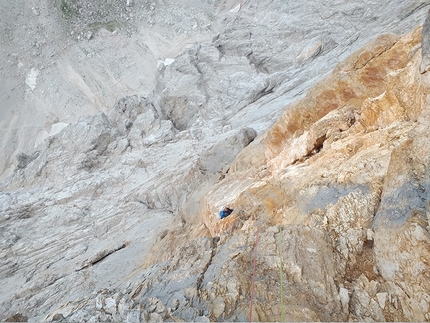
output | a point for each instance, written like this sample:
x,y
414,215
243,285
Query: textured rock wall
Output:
x,y
332,209
115,218
71,58
350,159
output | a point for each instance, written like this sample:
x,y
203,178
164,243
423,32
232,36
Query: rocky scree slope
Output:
x,y
64,59
80,213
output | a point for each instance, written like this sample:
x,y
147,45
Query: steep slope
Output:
x,y
340,182
69,58
347,166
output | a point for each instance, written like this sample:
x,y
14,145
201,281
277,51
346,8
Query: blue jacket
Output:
x,y
223,214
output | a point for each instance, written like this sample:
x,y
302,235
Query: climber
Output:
x,y
225,212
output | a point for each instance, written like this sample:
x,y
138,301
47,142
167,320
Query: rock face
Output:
x,y
425,45
115,217
71,58
351,160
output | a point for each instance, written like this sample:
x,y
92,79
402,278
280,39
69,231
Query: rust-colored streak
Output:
x,y
374,76
346,92
276,136
363,59
396,63
271,206
326,102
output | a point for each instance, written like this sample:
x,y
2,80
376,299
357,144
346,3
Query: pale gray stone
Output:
x,y
155,318
425,45
223,153
110,306
344,298
133,316
382,299
218,307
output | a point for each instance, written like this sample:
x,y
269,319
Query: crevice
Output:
x,y
199,283
98,257
375,55
258,65
318,145
412,11
202,84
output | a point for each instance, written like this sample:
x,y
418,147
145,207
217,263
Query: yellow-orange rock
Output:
x,y
350,159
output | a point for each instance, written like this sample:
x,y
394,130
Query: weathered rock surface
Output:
x,y
71,58
115,217
350,159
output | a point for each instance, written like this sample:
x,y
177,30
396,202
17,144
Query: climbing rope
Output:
x,y
280,273
253,276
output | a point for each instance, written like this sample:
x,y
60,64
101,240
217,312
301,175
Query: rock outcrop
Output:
x,y
349,161
71,58
115,217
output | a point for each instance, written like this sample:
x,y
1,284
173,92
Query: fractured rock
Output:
x,y
425,45
351,156
224,152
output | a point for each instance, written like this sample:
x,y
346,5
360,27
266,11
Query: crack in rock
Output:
x,y
101,255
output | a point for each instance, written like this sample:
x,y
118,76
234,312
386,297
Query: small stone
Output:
x,y
364,281
160,307
155,318
99,301
394,302
370,234
133,316
124,306
58,317
175,303
382,298
235,9
218,307
344,298
372,288
18,317
110,306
